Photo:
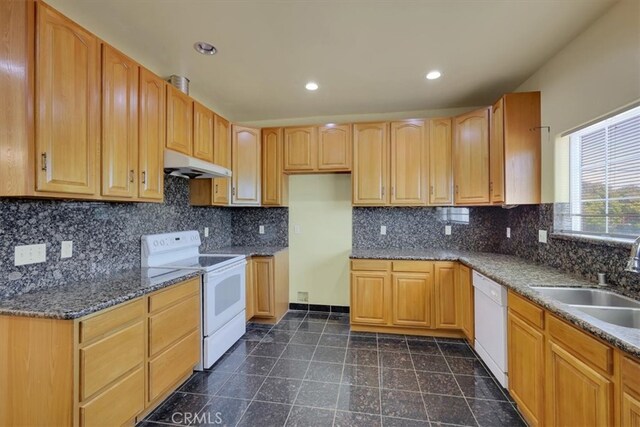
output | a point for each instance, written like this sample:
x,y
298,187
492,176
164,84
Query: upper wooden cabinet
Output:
x,y
440,162
179,121
515,149
246,165
222,157
151,136
119,124
471,158
67,105
275,183
370,176
300,149
203,131
334,148
408,163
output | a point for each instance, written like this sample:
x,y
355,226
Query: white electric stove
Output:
x,y
223,287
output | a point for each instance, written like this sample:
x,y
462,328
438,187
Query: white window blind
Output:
x,y
605,178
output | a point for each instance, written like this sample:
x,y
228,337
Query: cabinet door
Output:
x,y
222,157
246,166
300,149
526,368
440,162
412,299
152,135
496,151
630,392
250,291
471,158
370,177
202,132
466,302
179,121
577,395
370,297
119,124
408,163
263,279
68,105
274,181
446,296
334,148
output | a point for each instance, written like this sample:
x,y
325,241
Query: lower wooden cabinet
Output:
x,y
370,297
467,312
412,299
446,298
267,285
630,392
108,368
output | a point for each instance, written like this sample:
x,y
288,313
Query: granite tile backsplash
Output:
x,y
106,236
246,222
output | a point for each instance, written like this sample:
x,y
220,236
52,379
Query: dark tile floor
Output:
x,y
310,370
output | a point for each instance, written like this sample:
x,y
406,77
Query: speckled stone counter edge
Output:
x,y
617,336
250,251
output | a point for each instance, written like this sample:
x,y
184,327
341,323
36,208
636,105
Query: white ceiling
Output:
x,y
367,56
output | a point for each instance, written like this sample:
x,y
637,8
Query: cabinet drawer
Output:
x,y
587,348
410,266
106,322
631,374
118,404
370,265
108,359
526,310
163,298
169,325
173,364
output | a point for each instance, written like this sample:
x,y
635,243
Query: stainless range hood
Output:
x,y
179,164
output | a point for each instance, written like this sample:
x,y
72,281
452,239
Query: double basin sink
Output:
x,y
604,305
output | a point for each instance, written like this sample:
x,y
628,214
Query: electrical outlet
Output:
x,y
303,296
508,232
261,229
542,236
447,230
66,249
297,229
206,232
383,230
30,254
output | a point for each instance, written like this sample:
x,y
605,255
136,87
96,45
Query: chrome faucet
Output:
x,y
633,264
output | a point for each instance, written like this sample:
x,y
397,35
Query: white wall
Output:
x,y
596,73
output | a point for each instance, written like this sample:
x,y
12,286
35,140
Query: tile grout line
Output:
x,y
458,384
379,376
344,364
415,372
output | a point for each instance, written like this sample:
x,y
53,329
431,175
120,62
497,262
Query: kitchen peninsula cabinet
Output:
x,y
267,285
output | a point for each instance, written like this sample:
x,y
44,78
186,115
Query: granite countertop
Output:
x,y
79,299
520,275
251,250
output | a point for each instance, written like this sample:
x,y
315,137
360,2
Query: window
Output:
x,y
454,215
604,179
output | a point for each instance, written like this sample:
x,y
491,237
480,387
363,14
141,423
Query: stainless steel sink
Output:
x,y
627,317
588,297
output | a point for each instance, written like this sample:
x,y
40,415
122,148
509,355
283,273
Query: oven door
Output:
x,y
224,296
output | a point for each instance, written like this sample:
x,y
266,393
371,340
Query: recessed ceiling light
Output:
x,y
432,75
205,48
311,86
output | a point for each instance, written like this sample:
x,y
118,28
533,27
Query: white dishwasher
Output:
x,y
491,325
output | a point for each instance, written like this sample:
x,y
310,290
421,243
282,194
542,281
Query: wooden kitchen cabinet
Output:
x,y
446,296
275,184
467,311
67,130
246,166
203,131
471,158
222,157
250,291
515,149
370,297
440,162
119,124
269,283
370,176
334,148
412,299
300,149
408,163
629,392
526,357
152,133
179,121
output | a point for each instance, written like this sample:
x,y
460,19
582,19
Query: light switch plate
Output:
x,y
30,254
206,232
261,229
447,230
383,230
542,236
508,232
66,250
297,229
